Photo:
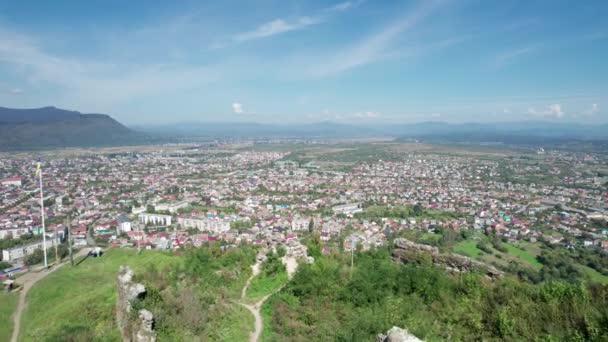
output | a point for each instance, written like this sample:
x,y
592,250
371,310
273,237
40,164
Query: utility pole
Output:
x,y
138,240
68,224
352,254
55,242
39,172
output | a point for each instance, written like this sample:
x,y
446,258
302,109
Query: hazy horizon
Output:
x,y
299,62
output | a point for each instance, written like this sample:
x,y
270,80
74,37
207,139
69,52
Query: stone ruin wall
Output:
x,y
142,330
406,251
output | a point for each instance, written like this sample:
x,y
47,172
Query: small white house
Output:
x,y
124,224
13,181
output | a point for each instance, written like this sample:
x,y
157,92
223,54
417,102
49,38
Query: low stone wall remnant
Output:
x,y
396,334
408,251
126,292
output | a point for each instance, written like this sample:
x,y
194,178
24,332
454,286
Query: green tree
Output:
x,y
273,264
49,202
35,258
418,210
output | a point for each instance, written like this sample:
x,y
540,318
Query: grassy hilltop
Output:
x,y
79,301
8,303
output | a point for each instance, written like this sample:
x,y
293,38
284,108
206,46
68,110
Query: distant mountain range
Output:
x,y
512,132
51,127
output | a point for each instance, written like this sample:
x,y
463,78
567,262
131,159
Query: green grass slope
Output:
x,y
264,284
8,303
526,256
468,248
77,303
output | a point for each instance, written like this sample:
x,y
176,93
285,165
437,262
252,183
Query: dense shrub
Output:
x,y
329,301
189,302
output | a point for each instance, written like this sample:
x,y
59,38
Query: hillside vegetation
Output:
x,y
327,301
197,299
79,301
190,296
193,297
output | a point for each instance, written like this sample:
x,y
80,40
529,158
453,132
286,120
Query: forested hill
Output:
x,y
50,127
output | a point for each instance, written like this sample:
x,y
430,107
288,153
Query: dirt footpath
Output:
x,y
27,281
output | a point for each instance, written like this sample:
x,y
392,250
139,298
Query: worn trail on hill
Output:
x,y
28,280
291,266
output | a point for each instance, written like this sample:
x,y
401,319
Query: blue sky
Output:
x,y
293,61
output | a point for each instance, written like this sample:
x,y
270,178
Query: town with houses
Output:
x,y
192,195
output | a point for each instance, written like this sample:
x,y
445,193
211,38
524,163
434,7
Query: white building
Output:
x,y
298,224
138,210
155,219
209,224
13,232
14,181
19,252
171,207
124,224
347,209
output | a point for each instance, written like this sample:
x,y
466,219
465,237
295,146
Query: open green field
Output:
x,y
429,238
79,301
8,303
236,325
468,248
263,285
526,256
594,275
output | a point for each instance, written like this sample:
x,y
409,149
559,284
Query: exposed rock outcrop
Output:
x,y
145,331
396,334
127,291
408,251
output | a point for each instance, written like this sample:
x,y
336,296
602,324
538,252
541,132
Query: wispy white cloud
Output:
x,y
95,82
342,6
280,25
367,115
510,56
16,91
275,27
552,111
594,109
373,47
237,108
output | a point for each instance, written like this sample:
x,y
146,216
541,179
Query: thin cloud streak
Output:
x,y
86,80
374,47
279,25
510,56
275,27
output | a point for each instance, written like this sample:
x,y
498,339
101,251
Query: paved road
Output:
x,y
27,281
